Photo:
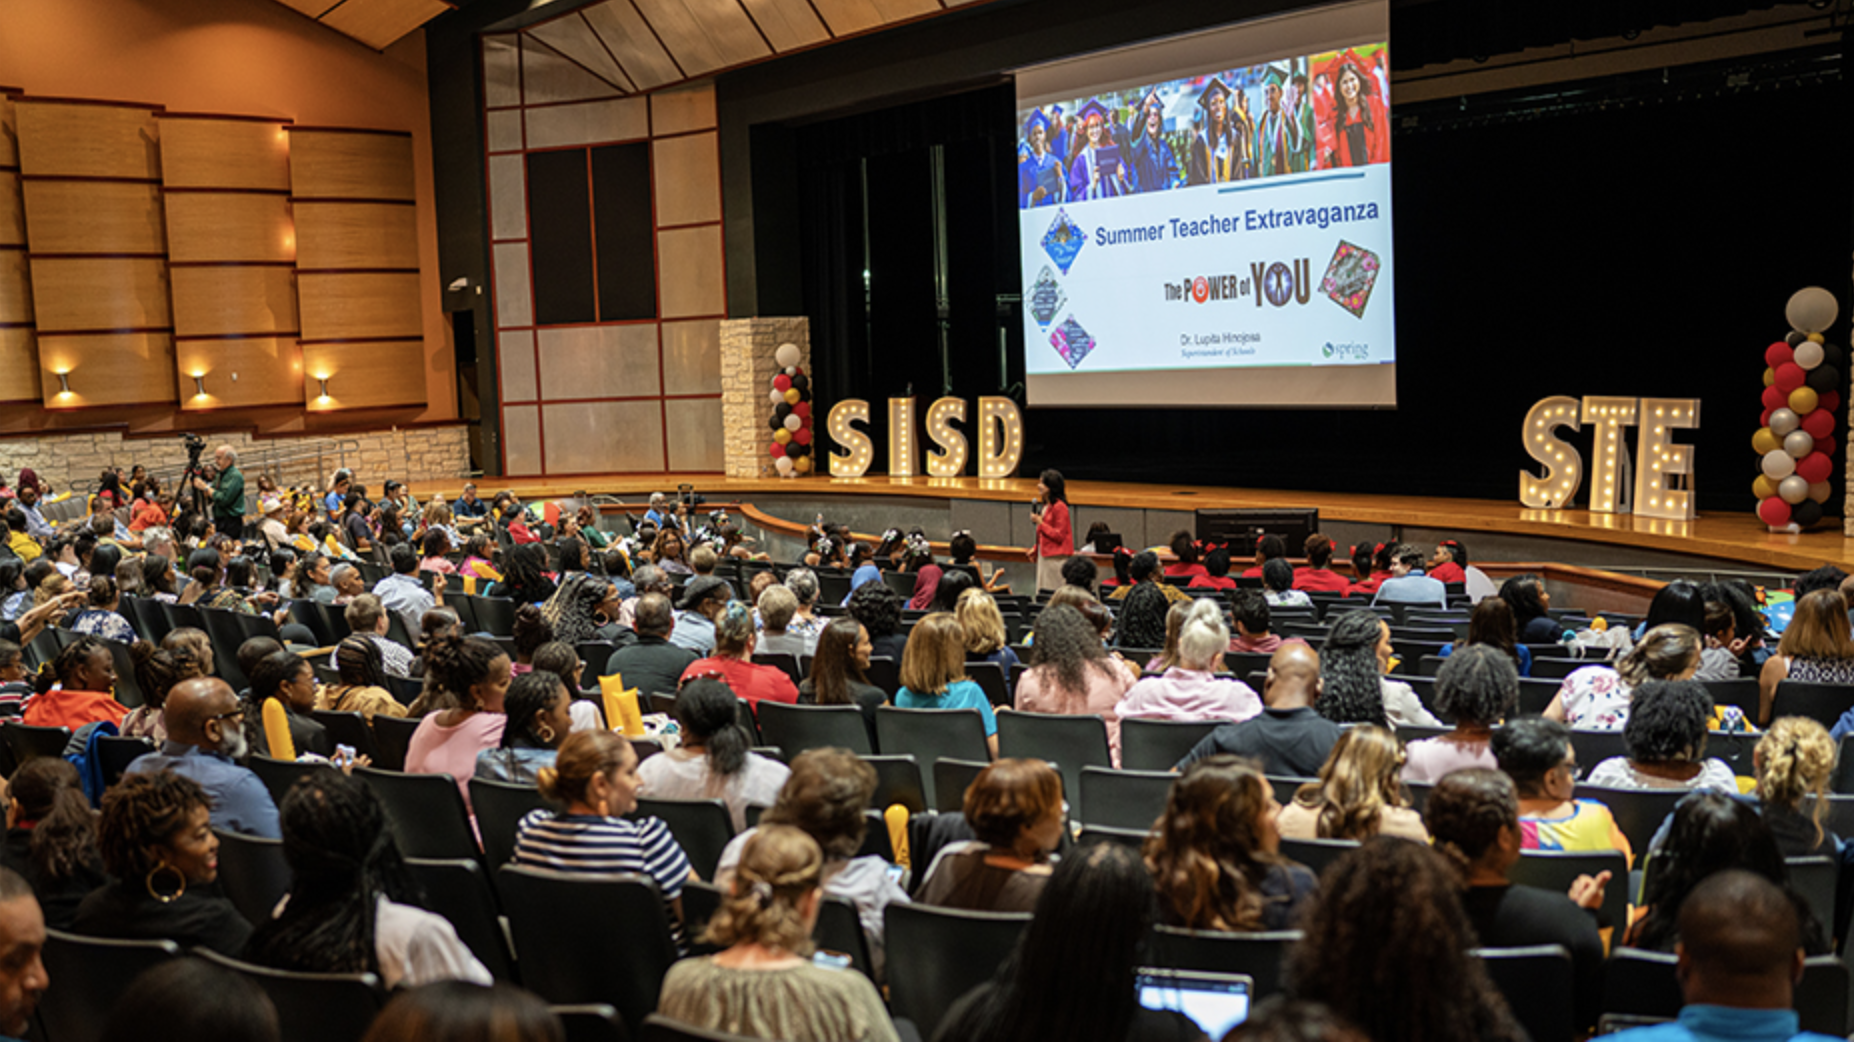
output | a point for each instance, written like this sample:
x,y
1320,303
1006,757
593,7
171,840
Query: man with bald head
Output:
x,y
205,734
1288,738
22,974
1741,954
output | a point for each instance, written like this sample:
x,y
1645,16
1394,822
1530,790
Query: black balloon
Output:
x,y
795,449
1831,354
1796,337
777,422
801,381
1823,378
1806,513
781,411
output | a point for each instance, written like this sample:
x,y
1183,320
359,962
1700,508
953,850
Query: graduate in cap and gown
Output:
x,y
1216,152
1155,165
1041,178
1058,133
1097,171
1279,136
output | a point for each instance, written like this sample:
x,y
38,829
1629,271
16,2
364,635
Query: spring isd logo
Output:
x,y
1277,283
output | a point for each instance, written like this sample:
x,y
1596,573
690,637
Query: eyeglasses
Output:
x,y
231,714
1577,772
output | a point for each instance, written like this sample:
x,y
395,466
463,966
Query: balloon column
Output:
x,y
791,418
1802,382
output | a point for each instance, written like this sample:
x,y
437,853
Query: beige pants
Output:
x,y
1049,572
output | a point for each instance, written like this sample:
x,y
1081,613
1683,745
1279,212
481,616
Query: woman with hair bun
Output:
x,y
763,983
1215,852
713,761
1795,761
475,674
51,837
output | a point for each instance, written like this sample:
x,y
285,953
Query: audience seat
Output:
x,y
700,901
884,673
253,874
1823,703
494,615
392,735
1158,745
564,928
1638,812
499,808
117,753
935,955
222,627
313,1007
658,1028
1242,663
990,678
349,729
1133,839
145,613
1642,983
426,812
798,728
26,742
593,1022
786,661
1555,668
898,780
951,779
1070,742
840,930
1258,956
405,690
1536,980
1814,878
1593,747
932,734
88,975
1535,694
279,775
1286,786
1556,870
1316,853
702,828
1123,799
459,890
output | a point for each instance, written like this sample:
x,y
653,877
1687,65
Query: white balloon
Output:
x,y
1808,354
1819,491
793,421
1778,464
1793,489
1783,421
777,396
784,465
1812,309
1799,444
787,355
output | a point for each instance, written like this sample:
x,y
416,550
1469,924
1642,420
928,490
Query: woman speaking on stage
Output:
x,y
1055,539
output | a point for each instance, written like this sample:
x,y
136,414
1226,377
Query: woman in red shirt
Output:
x,y
86,674
1450,563
1318,573
732,663
1055,539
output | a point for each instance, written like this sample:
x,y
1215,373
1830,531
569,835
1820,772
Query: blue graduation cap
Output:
x,y
1037,119
1152,98
1093,110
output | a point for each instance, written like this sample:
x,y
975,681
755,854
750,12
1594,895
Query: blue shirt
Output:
x,y
240,802
694,631
1525,657
403,594
1725,1024
1414,588
960,694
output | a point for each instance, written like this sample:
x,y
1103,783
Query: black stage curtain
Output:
x,y
1643,246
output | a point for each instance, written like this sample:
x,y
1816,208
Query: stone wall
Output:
x,y
747,371
73,461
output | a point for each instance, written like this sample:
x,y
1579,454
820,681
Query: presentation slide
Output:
x,y
1206,220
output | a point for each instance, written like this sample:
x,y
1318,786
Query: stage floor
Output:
x,y
1726,536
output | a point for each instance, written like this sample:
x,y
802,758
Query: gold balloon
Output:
x,y
1770,376
782,435
802,464
1817,337
1803,401
1763,488
1765,441
792,395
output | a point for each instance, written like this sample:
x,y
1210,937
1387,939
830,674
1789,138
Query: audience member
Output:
x,y
103,618
1531,603
1072,673
1318,575
366,616
157,670
1278,585
1479,688
1596,698
463,1011
762,983
1449,563
1408,584
1281,1019
1015,811
85,675
51,837
1141,625
732,660
1491,623
1216,571
1538,755
156,838
839,673
192,1000
805,623
1250,611
361,687
205,735
1386,945
654,664
775,608
1269,547
703,601
1143,570
1168,652
1288,737
1215,852
474,674
1355,690
712,760
524,575
933,673
986,637
22,974
1186,562
1191,690
1815,648
1358,794
878,608
288,678
1666,742
537,711
1080,570
1795,761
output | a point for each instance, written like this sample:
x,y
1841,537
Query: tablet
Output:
x,y
1215,1002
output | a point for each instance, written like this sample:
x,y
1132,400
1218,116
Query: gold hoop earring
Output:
x,y
166,899
545,734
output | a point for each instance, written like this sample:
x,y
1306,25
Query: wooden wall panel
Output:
x,y
356,235
108,369
85,294
241,372
71,139
12,210
347,164
9,133
214,226
19,365
364,375
235,300
15,287
95,217
224,153
353,305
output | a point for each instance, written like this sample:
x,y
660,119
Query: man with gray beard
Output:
x,y
205,735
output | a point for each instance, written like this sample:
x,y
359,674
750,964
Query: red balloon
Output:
x,y
1774,512
1763,419
802,436
1775,399
777,450
783,382
1790,376
1815,467
1820,423
1779,353
1825,446
1828,402
803,409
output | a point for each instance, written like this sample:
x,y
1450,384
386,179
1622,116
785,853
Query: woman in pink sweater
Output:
x,y
1072,672
1191,690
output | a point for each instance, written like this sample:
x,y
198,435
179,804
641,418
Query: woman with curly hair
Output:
x,y
529,630
85,675
1354,689
1386,946
524,575
1215,853
763,984
1479,688
1142,617
352,906
1666,742
474,674
1795,761
156,838
51,837
579,607
1070,672
1598,698
878,608
1358,794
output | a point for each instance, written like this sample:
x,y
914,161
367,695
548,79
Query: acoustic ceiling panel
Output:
x,y
376,23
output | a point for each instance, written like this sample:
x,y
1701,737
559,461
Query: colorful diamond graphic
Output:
x,y
1071,341
1063,240
1046,298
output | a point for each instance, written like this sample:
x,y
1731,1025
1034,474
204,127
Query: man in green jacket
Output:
x,y
228,493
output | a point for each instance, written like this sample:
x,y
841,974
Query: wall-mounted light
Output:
x,y
323,380
199,385
64,384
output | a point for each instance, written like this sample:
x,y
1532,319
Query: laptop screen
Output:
x,y
1215,1002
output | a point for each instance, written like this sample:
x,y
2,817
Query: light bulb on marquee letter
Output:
x,y
903,453
1001,437
854,462
950,460
1608,416
1564,468
1657,457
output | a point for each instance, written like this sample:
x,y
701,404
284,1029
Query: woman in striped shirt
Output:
x,y
595,776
